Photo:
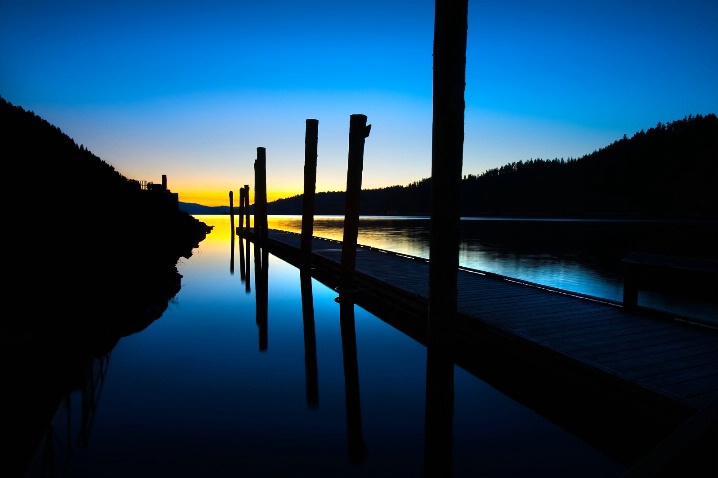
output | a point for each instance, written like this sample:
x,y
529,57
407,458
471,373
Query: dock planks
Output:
x,y
662,358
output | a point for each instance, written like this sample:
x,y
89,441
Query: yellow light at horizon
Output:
x,y
221,198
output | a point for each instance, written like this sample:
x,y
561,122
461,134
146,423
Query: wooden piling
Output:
x,y
449,82
450,32
232,231
310,179
358,132
241,212
260,195
231,250
246,205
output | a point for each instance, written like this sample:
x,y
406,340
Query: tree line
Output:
x,y
667,171
92,249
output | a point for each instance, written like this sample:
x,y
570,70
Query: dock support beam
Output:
x,y
310,180
358,132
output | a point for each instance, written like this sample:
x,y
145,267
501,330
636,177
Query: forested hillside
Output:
x,y
90,258
90,246
668,171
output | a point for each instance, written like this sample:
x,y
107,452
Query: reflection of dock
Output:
x,y
644,362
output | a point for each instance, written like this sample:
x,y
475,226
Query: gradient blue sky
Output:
x,y
190,89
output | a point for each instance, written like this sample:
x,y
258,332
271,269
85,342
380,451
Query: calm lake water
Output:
x,y
580,256
209,389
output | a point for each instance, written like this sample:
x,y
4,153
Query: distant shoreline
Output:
x,y
198,209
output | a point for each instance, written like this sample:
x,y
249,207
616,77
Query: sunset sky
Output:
x,y
190,89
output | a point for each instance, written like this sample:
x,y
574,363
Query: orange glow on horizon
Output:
x,y
221,198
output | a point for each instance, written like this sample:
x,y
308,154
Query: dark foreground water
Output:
x,y
221,387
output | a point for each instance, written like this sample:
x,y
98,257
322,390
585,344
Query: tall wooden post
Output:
x,y
260,195
358,132
449,81
310,180
246,204
231,231
450,31
241,212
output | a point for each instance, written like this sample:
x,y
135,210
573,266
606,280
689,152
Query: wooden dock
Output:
x,y
653,363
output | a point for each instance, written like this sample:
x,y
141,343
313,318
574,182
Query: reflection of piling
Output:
x,y
439,413
310,341
231,232
261,282
231,248
310,179
260,195
358,132
247,286
242,274
357,448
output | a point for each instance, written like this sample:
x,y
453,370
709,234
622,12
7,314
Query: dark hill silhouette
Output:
x,y
89,237
668,171
92,258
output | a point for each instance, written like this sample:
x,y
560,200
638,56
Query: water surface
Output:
x,y
576,255
240,378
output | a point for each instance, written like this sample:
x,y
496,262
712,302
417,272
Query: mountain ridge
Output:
x,y
668,171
